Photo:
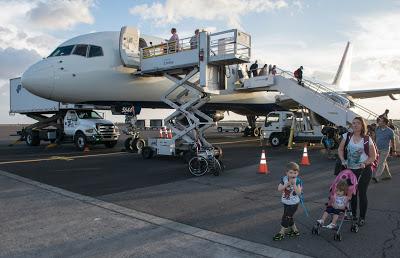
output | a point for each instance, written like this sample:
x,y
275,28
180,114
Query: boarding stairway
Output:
x,y
315,96
194,65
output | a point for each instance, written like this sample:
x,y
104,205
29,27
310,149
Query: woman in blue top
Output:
x,y
353,156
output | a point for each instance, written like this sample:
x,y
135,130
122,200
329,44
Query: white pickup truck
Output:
x,y
276,129
60,122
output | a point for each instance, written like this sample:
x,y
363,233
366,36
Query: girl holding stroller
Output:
x,y
357,153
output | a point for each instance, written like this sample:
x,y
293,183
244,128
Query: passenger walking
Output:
x,y
195,39
264,70
384,138
357,153
174,39
298,74
385,114
273,70
248,72
291,187
253,69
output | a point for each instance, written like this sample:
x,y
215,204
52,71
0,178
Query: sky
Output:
x,y
288,33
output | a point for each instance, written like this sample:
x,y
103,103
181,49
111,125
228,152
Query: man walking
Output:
x,y
253,69
384,138
298,74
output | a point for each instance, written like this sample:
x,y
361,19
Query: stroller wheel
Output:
x,y
314,231
337,237
354,228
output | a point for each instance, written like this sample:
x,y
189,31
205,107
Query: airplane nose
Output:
x,y
39,79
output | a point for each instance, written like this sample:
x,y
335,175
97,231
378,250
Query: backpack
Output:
x,y
374,164
296,73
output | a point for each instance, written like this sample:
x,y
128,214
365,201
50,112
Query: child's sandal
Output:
x,y
278,237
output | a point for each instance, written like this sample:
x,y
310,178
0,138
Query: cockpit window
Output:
x,y
62,51
95,51
80,50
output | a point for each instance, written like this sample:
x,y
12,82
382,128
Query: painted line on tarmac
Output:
x,y
65,158
233,142
233,242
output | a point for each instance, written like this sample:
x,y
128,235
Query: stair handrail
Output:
x,y
316,86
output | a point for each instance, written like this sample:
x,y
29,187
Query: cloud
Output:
x,y
61,14
14,61
229,11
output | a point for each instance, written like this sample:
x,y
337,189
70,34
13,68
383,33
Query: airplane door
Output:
x,y
129,46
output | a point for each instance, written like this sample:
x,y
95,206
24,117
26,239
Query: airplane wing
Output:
x,y
393,93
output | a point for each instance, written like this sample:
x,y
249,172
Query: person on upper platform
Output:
x,y
253,69
195,39
174,38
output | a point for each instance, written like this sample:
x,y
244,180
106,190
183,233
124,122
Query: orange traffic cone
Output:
x,y
169,134
304,160
263,167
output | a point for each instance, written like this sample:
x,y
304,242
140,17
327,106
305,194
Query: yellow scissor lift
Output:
x,y
196,65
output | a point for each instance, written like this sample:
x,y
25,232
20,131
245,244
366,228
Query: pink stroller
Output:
x,y
352,182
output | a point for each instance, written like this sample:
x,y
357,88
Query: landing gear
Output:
x,y
252,129
134,143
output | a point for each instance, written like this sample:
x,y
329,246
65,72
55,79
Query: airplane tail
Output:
x,y
342,77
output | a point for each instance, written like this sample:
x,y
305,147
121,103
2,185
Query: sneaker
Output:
x,y
278,237
321,222
361,222
375,180
331,226
386,178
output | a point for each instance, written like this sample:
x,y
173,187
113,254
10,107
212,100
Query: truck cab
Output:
x,y
88,127
279,123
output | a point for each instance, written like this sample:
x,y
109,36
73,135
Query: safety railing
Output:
x,y
230,42
329,94
170,47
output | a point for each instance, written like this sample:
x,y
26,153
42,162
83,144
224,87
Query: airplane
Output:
x,y
93,69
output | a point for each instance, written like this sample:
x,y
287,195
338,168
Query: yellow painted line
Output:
x,y
60,158
233,142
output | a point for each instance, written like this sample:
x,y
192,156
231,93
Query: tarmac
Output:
x,y
60,202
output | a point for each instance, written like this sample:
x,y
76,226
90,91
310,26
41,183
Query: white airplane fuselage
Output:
x,y
105,80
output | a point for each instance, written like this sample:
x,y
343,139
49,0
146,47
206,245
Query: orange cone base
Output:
x,y
304,161
263,169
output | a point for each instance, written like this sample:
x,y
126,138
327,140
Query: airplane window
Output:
x,y
62,51
80,50
95,51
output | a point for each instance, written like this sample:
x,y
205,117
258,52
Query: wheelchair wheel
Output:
x,y
198,166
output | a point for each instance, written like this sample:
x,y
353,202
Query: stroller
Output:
x,y
352,182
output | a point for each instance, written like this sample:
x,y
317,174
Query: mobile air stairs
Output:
x,y
316,97
196,66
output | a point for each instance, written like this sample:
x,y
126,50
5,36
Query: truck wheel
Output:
x,y
110,144
32,138
275,140
236,130
80,141
219,129
256,132
147,152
